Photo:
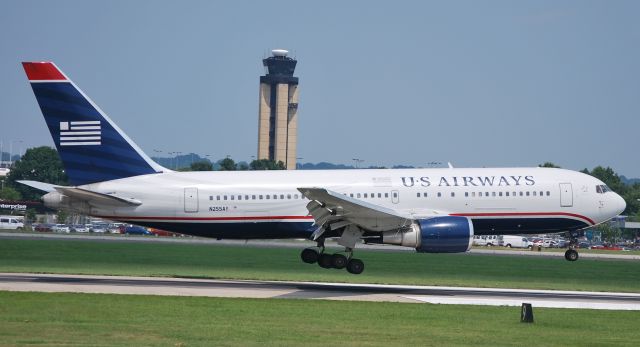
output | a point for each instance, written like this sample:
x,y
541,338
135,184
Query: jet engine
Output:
x,y
57,201
448,234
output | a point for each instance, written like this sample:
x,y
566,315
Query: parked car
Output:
x,y
549,243
99,228
11,223
60,228
80,228
44,227
515,241
136,230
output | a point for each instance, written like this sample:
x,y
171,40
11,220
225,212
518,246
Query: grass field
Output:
x,y
237,262
124,320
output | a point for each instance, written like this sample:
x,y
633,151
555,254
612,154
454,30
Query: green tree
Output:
x,y
37,164
610,234
9,193
266,164
242,166
62,216
227,164
30,215
201,166
549,164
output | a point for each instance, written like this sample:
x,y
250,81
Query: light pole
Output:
x,y
357,161
11,151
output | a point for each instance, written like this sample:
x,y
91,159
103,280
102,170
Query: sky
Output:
x,y
474,83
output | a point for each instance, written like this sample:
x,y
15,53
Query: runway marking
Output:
x,y
316,290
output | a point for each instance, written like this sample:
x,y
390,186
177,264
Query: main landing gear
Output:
x,y
571,254
339,260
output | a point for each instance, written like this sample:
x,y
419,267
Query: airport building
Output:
x,y
278,110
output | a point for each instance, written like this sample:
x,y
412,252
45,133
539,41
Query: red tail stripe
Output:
x,y
42,71
519,214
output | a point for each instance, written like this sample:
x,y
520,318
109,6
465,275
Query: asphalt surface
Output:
x,y
291,244
313,290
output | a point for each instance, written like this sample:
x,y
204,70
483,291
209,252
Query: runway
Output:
x,y
316,290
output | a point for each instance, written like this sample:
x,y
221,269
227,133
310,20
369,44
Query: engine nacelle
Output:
x,y
449,234
57,201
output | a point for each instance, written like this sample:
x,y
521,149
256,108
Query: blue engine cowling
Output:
x,y
448,234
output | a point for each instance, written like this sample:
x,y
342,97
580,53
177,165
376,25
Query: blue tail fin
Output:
x,y
92,148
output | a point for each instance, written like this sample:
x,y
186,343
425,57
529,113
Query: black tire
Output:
x,y
325,261
355,266
571,255
309,255
339,261
508,245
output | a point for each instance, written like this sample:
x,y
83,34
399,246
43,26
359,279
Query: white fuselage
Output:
x,y
267,204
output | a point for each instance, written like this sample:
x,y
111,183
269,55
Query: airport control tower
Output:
x,y
278,110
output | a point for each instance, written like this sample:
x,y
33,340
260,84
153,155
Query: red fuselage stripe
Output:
x,y
521,214
211,218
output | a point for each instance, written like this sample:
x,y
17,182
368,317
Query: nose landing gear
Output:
x,y
571,254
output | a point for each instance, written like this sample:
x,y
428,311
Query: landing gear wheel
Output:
x,y
309,255
571,255
355,266
339,261
325,261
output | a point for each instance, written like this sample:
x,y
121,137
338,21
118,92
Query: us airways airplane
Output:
x,y
431,210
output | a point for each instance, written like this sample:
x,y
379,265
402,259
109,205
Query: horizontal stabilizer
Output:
x,y
45,187
96,198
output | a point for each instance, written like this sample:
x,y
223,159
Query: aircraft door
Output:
x,y
395,196
191,200
566,195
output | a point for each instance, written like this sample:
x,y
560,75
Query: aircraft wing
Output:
x,y
332,210
96,198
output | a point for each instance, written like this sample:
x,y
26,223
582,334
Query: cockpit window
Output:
x,y
602,188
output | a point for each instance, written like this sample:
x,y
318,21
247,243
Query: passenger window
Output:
x,y
225,197
541,193
534,193
260,196
232,197
365,195
358,195
521,193
253,197
486,194
218,197
548,193
246,197
268,196
473,194
493,193
239,197
439,194
289,196
466,194
295,196
379,195
527,193
395,195
500,194
418,194
386,195
506,193
275,196
210,197
282,196
453,194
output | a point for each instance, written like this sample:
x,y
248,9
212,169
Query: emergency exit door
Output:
x,y
566,195
191,200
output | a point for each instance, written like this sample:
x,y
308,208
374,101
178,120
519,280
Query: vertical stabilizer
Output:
x,y
92,147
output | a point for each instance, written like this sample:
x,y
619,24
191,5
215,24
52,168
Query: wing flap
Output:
x,y
334,210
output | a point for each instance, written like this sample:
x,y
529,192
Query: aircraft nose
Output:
x,y
619,203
